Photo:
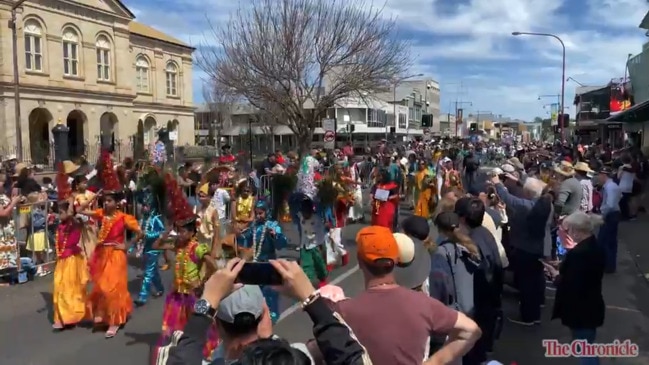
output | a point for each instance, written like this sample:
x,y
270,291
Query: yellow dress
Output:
x,y
89,232
244,207
69,302
422,208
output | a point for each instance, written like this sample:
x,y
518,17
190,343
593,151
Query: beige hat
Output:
x,y
583,167
69,167
514,161
20,167
565,169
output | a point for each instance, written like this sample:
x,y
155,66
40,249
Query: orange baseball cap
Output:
x,y
376,242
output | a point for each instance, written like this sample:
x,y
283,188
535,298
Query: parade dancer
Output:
x,y
356,212
190,256
385,200
71,272
110,301
151,199
312,240
259,243
336,216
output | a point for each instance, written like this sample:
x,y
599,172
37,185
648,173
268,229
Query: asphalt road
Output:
x,y
26,338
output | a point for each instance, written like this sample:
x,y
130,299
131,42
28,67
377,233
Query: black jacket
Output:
x,y
579,302
334,338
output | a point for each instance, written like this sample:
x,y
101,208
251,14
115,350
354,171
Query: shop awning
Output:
x,y
635,114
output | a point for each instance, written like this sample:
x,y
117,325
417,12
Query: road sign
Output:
x,y
329,126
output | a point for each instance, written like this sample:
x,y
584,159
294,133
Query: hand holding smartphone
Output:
x,y
259,273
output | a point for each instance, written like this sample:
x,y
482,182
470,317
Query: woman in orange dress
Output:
x,y
110,302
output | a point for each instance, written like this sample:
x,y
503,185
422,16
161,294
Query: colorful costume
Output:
x,y
89,230
9,257
152,198
110,300
179,304
425,194
263,239
71,272
384,210
312,239
356,211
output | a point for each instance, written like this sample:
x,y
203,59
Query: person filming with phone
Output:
x,y
244,322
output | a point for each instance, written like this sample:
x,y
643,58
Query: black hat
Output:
x,y
606,170
416,227
447,221
162,130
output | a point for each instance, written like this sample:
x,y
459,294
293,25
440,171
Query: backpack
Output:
x,y
460,267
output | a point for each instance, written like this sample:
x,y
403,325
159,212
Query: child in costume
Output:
x,y
312,239
110,300
385,200
151,198
260,242
190,256
71,272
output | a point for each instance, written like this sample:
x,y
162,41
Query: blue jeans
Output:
x,y
151,275
607,239
589,335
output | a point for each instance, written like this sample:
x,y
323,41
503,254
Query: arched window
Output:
x,y
33,45
142,75
70,52
103,58
172,79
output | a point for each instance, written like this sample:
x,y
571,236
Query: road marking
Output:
x,y
290,310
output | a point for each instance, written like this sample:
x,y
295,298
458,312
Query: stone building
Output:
x,y
89,65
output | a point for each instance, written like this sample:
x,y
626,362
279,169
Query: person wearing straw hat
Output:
x,y
570,191
583,173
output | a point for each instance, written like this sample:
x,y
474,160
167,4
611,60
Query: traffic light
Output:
x,y
473,127
427,121
392,130
350,128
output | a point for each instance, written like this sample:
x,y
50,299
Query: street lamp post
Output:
x,y
14,39
575,81
394,100
563,70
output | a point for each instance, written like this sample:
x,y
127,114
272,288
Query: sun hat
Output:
x,y
414,267
583,167
565,168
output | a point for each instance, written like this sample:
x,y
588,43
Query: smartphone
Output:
x,y
259,273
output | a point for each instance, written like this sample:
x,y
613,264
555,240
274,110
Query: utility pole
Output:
x,y
16,71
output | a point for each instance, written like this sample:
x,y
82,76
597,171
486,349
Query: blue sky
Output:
x,y
467,44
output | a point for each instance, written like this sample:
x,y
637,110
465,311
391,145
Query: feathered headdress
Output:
x,y
182,213
107,174
63,188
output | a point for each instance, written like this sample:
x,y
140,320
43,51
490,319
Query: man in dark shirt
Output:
x,y
267,165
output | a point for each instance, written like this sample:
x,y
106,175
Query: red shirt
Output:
x,y
225,159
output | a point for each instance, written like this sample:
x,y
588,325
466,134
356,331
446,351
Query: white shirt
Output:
x,y
312,232
626,180
220,199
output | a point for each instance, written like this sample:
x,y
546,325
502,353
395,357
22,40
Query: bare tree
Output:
x,y
301,56
220,104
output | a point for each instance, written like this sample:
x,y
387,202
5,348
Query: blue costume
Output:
x,y
152,226
265,247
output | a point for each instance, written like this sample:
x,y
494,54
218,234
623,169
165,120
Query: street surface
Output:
x,y
26,337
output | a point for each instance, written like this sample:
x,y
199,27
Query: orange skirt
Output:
x,y
109,299
69,295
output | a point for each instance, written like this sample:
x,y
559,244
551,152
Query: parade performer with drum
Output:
x,y
151,197
190,256
259,242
